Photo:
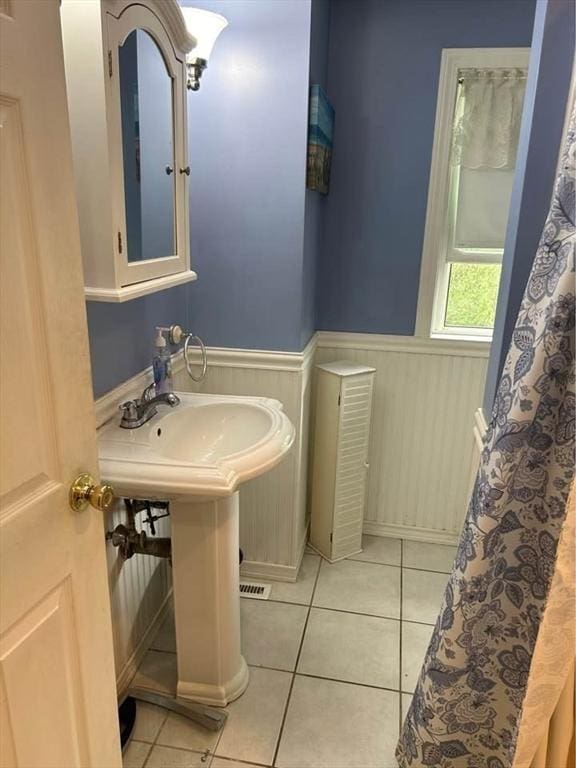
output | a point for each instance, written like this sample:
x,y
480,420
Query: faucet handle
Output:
x,y
129,409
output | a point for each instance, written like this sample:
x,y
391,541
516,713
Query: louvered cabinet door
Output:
x,y
351,464
340,458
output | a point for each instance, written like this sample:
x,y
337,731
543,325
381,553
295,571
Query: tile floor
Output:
x,y
333,662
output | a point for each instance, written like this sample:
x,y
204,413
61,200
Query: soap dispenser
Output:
x,y
162,365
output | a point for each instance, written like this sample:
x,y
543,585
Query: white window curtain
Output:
x,y
487,120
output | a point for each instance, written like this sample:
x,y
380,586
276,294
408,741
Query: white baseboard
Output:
x,y
251,569
125,675
409,532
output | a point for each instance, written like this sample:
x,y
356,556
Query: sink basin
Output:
x,y
213,432
205,446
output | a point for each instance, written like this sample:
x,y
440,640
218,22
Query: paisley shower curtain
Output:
x,y
468,703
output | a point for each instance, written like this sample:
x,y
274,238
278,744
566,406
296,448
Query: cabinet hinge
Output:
x,y
339,399
110,63
119,242
331,538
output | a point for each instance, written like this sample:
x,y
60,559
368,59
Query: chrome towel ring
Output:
x,y
176,336
192,337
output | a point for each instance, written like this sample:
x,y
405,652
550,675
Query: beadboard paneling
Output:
x,y
139,589
273,506
422,445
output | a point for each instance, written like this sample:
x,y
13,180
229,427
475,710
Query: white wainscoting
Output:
x,y
139,593
273,523
422,449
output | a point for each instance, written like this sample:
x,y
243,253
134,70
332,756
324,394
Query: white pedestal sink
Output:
x,y
196,455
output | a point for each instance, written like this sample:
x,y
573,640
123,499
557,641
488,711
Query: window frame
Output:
x,y
435,268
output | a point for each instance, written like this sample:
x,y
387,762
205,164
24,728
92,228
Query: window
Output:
x,y
478,117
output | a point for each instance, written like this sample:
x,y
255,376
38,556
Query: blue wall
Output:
x,y
122,335
315,203
256,233
543,120
384,64
247,136
247,152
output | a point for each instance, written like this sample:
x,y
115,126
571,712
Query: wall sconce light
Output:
x,y
205,26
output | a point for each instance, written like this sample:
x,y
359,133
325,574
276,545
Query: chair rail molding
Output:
x,y
412,345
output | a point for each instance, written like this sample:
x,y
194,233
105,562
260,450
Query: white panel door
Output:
x,y
57,683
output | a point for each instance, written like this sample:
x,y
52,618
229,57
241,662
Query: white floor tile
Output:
x,y
299,591
165,757
351,647
422,594
271,633
183,733
157,672
415,640
339,725
222,762
135,754
255,718
165,639
148,722
379,549
428,557
359,587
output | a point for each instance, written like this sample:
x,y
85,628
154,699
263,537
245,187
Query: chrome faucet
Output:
x,y
137,412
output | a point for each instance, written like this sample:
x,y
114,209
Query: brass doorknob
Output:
x,y
84,491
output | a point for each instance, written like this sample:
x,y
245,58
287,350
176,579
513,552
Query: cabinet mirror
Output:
x,y
147,117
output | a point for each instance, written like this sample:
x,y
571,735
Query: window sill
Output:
x,y
487,340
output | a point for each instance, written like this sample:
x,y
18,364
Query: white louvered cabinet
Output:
x,y
340,457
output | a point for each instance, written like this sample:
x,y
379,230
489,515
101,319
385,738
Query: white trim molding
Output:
x,y
412,345
136,290
412,533
251,569
259,359
169,13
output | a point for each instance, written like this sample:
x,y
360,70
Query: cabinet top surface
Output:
x,y
345,368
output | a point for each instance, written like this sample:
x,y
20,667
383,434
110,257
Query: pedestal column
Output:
x,y
205,571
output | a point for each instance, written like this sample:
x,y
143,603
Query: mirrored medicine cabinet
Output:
x,y
126,81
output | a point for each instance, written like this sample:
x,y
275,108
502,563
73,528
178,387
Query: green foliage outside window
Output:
x,y
472,295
